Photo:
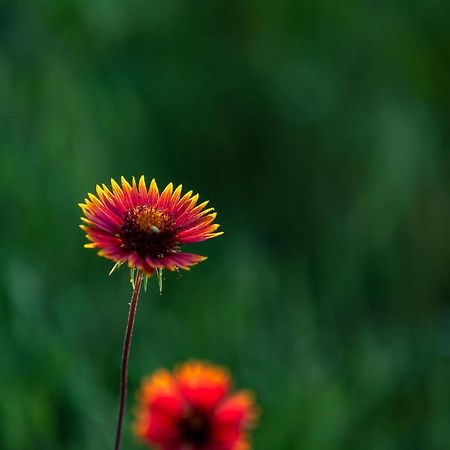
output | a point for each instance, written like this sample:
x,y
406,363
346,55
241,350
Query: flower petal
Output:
x,y
232,418
161,407
153,193
164,200
202,385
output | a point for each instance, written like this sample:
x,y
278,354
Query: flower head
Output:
x,y
194,409
147,229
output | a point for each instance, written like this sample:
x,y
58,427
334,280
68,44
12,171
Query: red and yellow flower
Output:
x,y
194,409
144,227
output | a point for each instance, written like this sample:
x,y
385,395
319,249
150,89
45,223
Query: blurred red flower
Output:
x,y
194,409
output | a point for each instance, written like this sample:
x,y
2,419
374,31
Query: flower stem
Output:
x,y
125,354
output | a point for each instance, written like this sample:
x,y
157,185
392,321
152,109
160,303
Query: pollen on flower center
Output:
x,y
148,231
195,428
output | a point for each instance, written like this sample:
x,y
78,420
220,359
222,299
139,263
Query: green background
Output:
x,y
319,131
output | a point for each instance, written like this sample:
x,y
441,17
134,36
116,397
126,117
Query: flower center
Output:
x,y
148,231
195,428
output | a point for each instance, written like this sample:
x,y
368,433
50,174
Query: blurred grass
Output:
x,y
320,133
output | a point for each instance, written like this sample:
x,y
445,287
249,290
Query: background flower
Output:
x,y
194,409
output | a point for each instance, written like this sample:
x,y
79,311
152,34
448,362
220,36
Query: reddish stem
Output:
x,y
125,354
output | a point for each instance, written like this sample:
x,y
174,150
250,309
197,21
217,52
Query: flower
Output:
x,y
147,229
194,409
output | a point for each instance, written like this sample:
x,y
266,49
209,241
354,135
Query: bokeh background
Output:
x,y
320,132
